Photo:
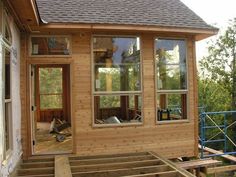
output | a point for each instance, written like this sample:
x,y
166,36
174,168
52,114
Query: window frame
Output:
x,y
7,152
174,91
50,56
115,93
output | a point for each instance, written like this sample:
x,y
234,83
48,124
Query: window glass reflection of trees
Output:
x,y
117,73
171,69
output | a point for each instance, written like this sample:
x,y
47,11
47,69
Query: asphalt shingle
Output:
x,y
166,13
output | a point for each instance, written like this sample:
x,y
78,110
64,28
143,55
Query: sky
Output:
x,y
214,12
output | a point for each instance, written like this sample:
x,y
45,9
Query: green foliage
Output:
x,y
219,67
213,96
50,87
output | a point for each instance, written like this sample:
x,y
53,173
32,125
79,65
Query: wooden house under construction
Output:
x,y
98,77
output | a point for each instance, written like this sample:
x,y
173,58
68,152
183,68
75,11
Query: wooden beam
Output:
x,y
220,169
111,160
108,156
124,172
62,167
213,151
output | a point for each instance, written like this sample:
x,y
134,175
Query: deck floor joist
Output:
x,y
146,164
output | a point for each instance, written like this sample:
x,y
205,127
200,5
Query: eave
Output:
x,y
25,13
198,33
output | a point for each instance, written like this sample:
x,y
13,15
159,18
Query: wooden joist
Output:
x,y
116,165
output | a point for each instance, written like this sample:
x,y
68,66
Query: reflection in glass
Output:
x,y
171,106
117,109
7,75
171,64
50,46
116,64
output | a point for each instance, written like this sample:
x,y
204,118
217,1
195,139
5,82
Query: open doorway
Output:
x,y
50,111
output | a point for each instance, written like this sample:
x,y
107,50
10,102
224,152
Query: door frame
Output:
x,y
30,147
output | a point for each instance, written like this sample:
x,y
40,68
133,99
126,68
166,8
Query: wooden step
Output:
x,y
51,159
50,175
36,171
37,165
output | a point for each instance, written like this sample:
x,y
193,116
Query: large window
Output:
x,y
50,45
117,80
171,79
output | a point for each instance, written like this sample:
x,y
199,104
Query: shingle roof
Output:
x,y
167,13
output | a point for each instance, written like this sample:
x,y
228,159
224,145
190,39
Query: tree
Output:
x,y
220,64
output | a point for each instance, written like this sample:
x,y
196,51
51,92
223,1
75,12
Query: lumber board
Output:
x,y
198,163
158,174
213,151
93,157
220,169
110,166
172,165
111,160
124,172
62,167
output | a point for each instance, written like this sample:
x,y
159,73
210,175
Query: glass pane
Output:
x,y
171,107
117,78
50,46
50,80
50,101
116,64
117,109
7,75
7,125
171,64
171,77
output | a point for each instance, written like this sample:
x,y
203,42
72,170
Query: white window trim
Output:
x,y
120,93
177,91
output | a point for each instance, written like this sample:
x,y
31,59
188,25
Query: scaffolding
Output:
x,y
214,128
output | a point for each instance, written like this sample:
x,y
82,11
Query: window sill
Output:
x,y
172,122
116,125
51,56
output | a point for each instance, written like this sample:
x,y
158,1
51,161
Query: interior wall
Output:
x,y
170,140
8,165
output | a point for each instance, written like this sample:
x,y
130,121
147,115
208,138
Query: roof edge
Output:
x,y
200,33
